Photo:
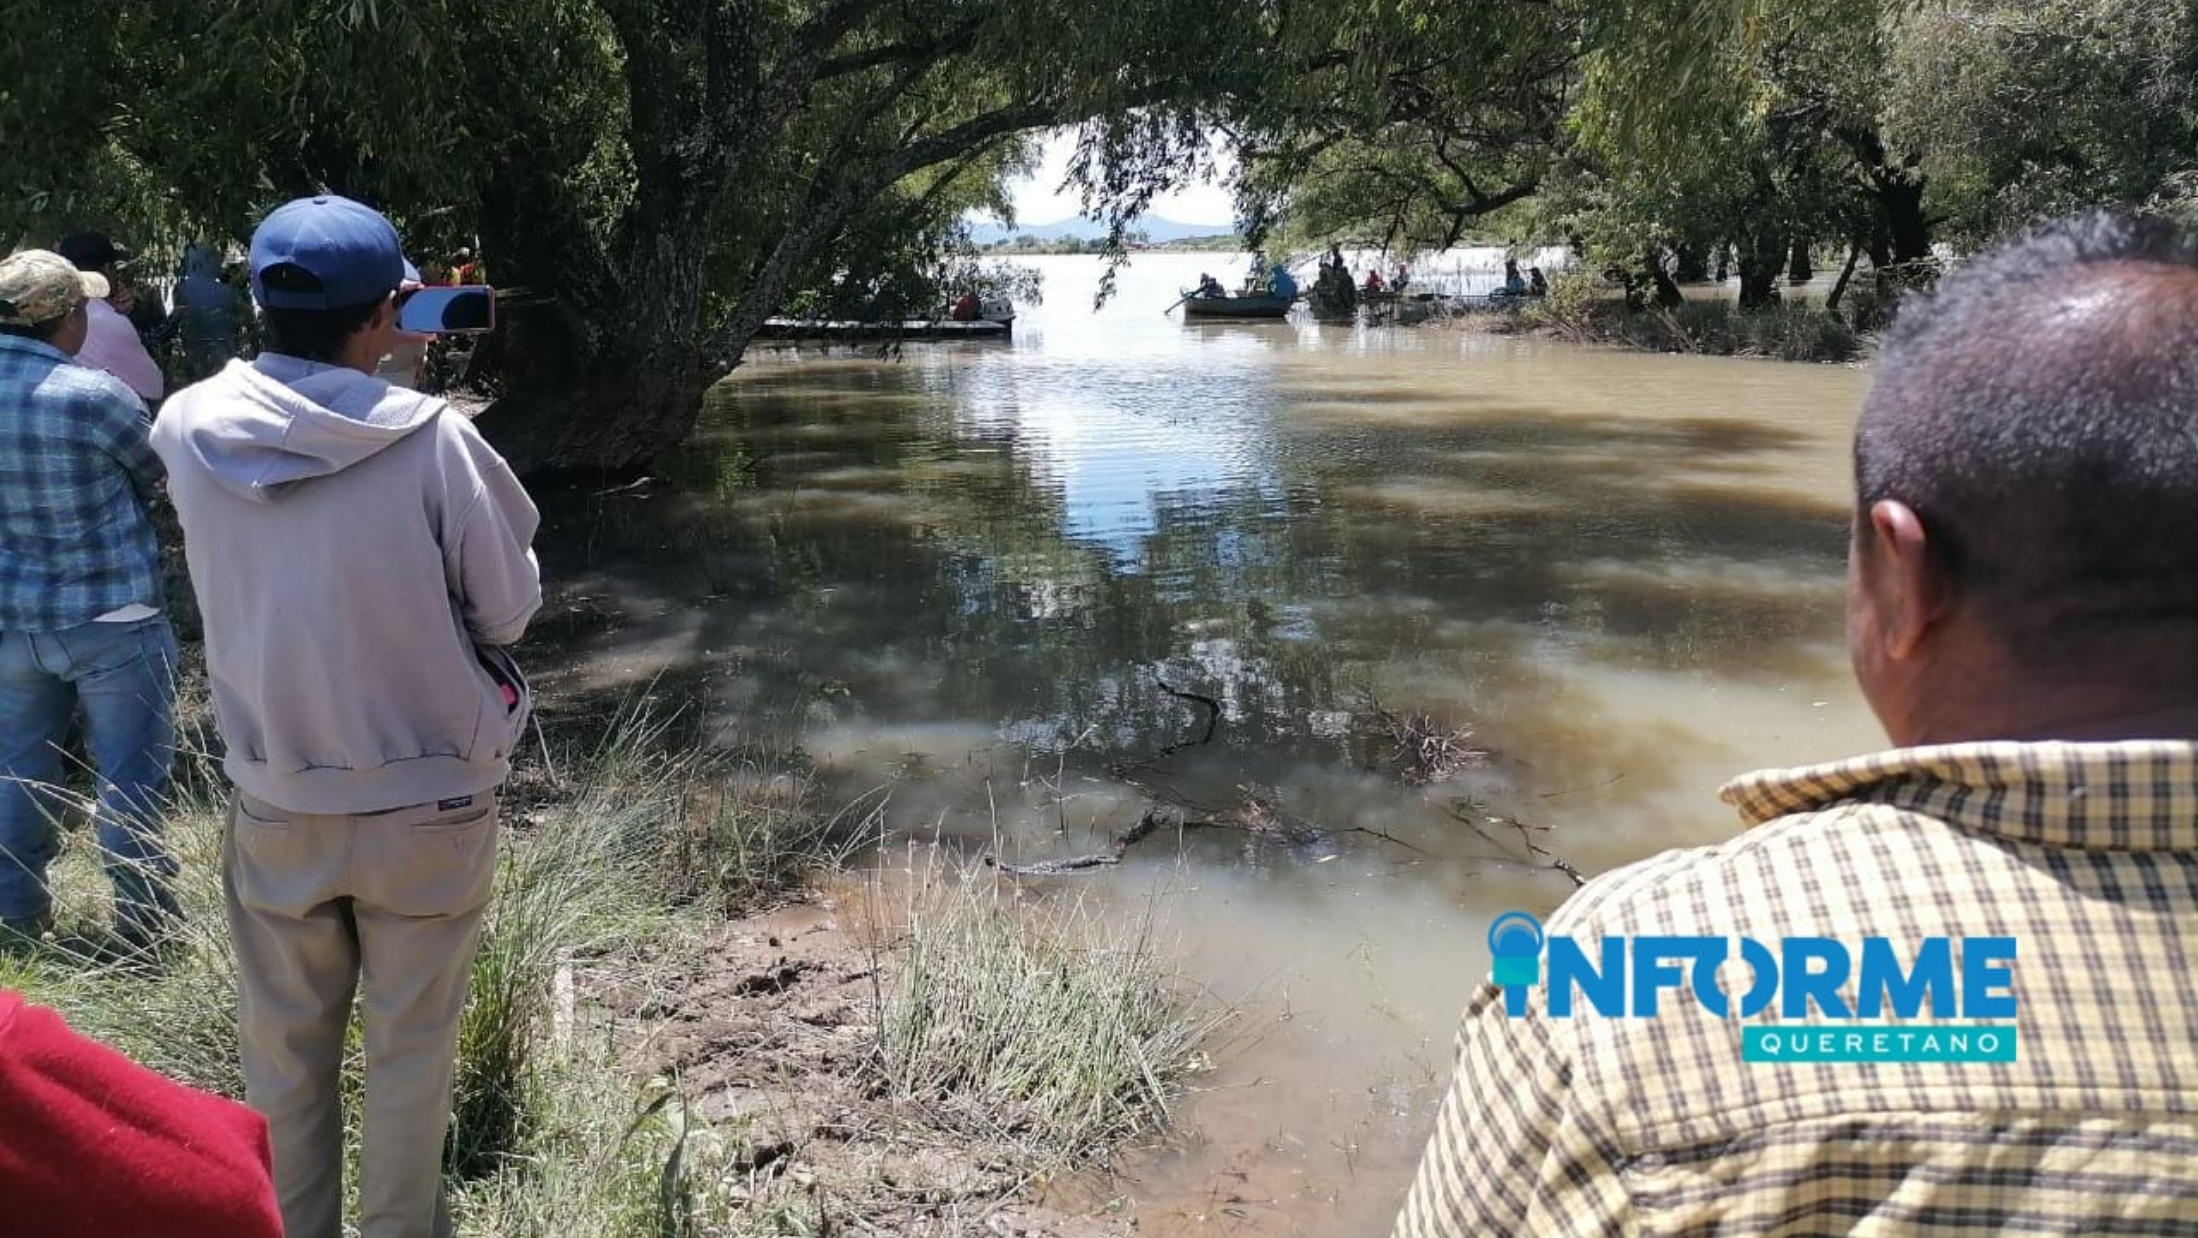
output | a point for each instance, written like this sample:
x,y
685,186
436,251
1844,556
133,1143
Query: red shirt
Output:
x,y
93,1145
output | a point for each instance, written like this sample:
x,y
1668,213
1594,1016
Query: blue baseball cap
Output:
x,y
324,252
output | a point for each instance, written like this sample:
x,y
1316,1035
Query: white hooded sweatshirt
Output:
x,y
360,555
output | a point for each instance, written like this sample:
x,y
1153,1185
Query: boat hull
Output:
x,y
948,329
1236,307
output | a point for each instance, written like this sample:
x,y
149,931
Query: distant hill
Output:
x,y
1159,228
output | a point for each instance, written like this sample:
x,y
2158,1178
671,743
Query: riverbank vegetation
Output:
x,y
622,913
1848,144
1580,311
650,180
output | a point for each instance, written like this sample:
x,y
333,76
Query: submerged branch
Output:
x,y
1121,769
1465,811
1423,749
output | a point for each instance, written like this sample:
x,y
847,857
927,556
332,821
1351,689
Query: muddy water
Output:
x,y
963,576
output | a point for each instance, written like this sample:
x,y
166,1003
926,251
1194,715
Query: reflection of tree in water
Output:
x,y
844,530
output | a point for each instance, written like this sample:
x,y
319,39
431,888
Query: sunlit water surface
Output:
x,y
962,575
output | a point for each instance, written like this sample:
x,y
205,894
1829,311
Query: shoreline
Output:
x,y
686,1005
1801,332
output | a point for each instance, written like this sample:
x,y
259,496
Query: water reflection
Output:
x,y
967,572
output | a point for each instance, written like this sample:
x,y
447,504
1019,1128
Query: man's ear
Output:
x,y
1906,580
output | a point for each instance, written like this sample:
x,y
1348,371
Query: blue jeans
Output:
x,y
123,674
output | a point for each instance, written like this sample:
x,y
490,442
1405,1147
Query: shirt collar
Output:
x,y
2136,795
34,348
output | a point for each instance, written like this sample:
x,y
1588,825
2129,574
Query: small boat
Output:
x,y
1260,305
993,318
911,329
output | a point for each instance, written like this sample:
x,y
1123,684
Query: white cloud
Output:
x,y
1040,198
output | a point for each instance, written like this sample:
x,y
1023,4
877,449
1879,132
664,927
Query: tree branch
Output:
x,y
958,39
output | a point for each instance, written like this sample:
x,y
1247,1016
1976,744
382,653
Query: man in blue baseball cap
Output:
x,y
362,558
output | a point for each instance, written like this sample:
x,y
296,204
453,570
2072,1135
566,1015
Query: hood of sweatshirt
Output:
x,y
263,427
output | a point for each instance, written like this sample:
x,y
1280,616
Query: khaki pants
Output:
x,y
318,904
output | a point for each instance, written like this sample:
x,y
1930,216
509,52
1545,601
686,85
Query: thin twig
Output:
x,y
1460,810
1550,795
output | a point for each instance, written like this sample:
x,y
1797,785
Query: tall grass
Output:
x,y
1047,1029
1045,1026
648,849
177,1018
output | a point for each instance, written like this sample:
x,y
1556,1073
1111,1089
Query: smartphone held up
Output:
x,y
466,309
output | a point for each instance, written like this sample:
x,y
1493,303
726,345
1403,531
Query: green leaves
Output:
x,y
2026,109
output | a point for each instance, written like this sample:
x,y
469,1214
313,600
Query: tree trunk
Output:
x,y
1800,270
605,375
1907,227
1902,249
1690,265
583,398
1846,273
1636,294
1667,293
1760,259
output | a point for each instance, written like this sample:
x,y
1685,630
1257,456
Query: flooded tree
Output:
x,y
648,179
1652,133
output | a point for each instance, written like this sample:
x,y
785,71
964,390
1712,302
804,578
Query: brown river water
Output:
x,y
962,574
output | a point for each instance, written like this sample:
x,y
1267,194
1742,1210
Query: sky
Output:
x,y
1039,198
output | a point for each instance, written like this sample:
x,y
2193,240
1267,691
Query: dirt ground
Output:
x,y
770,1032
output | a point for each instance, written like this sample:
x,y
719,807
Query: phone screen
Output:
x,y
464,310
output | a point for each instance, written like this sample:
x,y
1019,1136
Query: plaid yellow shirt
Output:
x,y
2086,854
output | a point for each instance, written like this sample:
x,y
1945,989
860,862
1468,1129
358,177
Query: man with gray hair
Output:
x,y
2023,619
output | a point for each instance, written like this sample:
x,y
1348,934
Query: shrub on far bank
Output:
x,y
1788,331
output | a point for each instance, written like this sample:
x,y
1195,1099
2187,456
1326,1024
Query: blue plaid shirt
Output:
x,y
76,467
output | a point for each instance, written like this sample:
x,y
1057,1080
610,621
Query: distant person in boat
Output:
x,y
1514,284
1208,286
1335,260
1281,283
1402,277
465,268
1256,277
1373,281
2022,617
1536,284
966,308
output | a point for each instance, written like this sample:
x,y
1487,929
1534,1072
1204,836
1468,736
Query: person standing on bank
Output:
x,y
80,605
2022,617
362,557
111,341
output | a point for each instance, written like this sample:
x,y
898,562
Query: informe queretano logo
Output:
x,y
1956,983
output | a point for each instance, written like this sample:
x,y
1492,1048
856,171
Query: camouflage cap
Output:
x,y
38,286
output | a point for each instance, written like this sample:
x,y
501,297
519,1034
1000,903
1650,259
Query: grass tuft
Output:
x,y
1043,1026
